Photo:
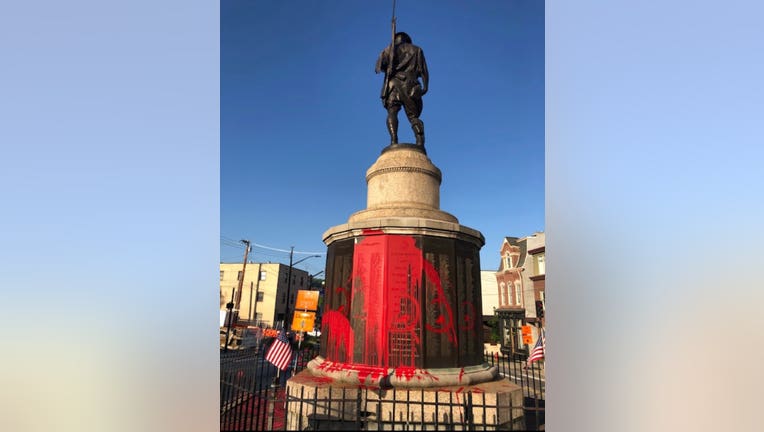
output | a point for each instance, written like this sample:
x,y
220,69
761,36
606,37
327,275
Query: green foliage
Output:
x,y
494,337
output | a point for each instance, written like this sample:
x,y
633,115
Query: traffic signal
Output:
x,y
539,309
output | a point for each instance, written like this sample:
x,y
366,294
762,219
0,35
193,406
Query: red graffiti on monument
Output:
x,y
444,322
378,328
341,335
469,316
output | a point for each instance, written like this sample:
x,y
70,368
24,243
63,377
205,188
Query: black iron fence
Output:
x,y
531,378
253,396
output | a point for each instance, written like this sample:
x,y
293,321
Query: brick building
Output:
x,y
520,280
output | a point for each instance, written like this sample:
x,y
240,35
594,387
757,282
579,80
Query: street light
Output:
x,y
321,295
288,312
310,278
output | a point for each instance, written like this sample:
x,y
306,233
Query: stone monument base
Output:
x,y
402,376
322,403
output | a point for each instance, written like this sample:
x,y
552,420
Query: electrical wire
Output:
x,y
227,241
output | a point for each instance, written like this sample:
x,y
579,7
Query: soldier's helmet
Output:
x,y
402,37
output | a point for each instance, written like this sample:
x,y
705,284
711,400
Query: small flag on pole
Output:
x,y
539,349
280,352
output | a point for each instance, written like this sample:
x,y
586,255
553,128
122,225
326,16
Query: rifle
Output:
x,y
389,71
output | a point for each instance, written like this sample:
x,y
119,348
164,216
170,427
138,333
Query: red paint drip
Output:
x,y
405,372
461,374
373,372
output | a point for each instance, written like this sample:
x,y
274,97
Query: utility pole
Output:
x,y
229,307
257,290
243,269
289,287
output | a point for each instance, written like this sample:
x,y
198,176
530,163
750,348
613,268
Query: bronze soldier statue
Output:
x,y
403,68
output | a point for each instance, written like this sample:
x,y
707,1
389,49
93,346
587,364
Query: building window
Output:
x,y
221,274
540,264
503,290
507,261
262,275
260,296
518,294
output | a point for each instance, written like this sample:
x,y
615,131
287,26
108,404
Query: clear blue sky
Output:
x,y
301,119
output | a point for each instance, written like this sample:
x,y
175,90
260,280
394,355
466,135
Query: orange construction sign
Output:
x,y
303,321
527,336
306,300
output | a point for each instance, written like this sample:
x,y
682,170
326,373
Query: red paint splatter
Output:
x,y
461,374
340,336
321,380
363,372
405,372
373,372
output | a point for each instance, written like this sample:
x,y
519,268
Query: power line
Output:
x,y
227,241
288,251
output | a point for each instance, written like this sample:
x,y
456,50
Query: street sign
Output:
x,y
303,321
306,300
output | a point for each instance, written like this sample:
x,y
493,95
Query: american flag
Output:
x,y
538,350
280,352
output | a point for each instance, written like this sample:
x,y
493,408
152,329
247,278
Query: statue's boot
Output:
x,y
418,127
392,128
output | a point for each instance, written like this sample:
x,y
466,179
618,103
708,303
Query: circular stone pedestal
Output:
x,y
401,377
403,182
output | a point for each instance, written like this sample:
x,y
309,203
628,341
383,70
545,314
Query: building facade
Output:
x,y
520,282
263,296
